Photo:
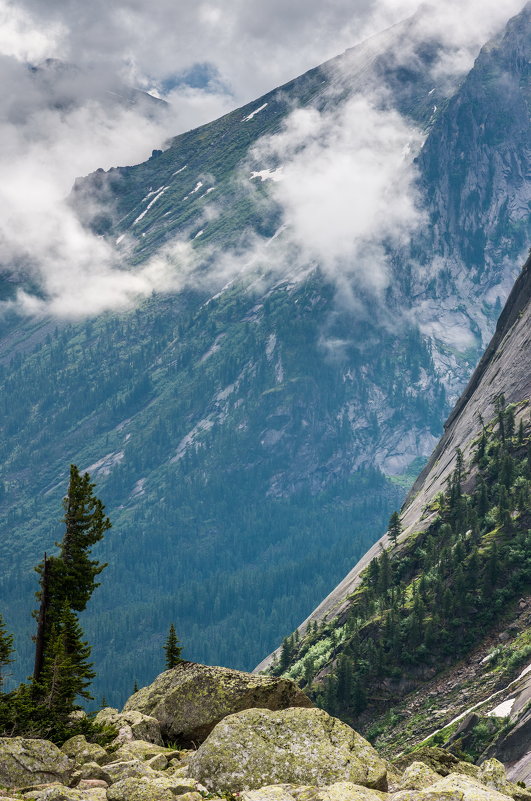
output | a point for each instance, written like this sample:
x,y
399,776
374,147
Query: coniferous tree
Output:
x,y
172,649
6,649
285,655
62,671
67,673
395,528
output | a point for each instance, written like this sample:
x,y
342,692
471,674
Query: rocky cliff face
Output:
x,y
484,686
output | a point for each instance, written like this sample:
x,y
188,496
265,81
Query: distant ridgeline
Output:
x,y
426,602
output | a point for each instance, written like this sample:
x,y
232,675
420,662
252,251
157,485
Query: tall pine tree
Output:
x,y
62,671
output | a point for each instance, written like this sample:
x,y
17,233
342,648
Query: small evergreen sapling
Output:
x,y
172,649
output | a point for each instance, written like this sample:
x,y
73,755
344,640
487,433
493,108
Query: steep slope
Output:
x,y
457,582
249,443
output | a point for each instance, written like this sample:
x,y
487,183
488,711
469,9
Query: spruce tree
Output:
x,y
62,670
285,654
172,649
67,673
6,649
395,528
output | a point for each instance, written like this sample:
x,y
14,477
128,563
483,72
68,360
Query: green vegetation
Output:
x,y
235,509
428,602
172,649
62,672
6,650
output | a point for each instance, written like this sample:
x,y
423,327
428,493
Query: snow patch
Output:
x,y
149,205
179,171
151,193
202,231
254,113
503,710
267,175
120,238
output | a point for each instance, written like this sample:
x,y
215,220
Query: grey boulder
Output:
x,y
190,699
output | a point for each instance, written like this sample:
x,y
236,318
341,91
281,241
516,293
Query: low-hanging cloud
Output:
x,y
346,186
348,181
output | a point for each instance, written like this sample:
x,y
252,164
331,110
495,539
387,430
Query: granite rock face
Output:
x,y
190,699
25,762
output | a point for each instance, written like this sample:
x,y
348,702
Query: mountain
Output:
x,y
251,440
427,639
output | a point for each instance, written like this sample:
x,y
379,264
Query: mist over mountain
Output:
x,y
259,337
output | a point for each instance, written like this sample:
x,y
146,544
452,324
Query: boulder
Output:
x,y
131,725
24,762
141,789
492,774
190,699
439,760
427,795
138,790
90,784
132,769
90,770
340,791
140,749
158,762
78,749
179,784
274,792
60,793
193,796
418,776
258,747
471,789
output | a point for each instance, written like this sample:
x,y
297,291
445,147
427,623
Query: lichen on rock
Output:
x,y
190,699
25,762
258,747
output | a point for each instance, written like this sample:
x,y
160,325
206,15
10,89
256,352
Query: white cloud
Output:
x,y
40,235
346,188
347,183
347,179
21,38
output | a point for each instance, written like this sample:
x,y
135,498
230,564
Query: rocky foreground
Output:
x,y
257,739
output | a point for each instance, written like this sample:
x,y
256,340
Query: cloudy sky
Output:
x,y
204,58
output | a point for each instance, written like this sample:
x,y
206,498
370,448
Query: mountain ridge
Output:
x,y
227,441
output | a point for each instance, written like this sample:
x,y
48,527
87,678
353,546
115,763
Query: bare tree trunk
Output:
x,y
41,622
